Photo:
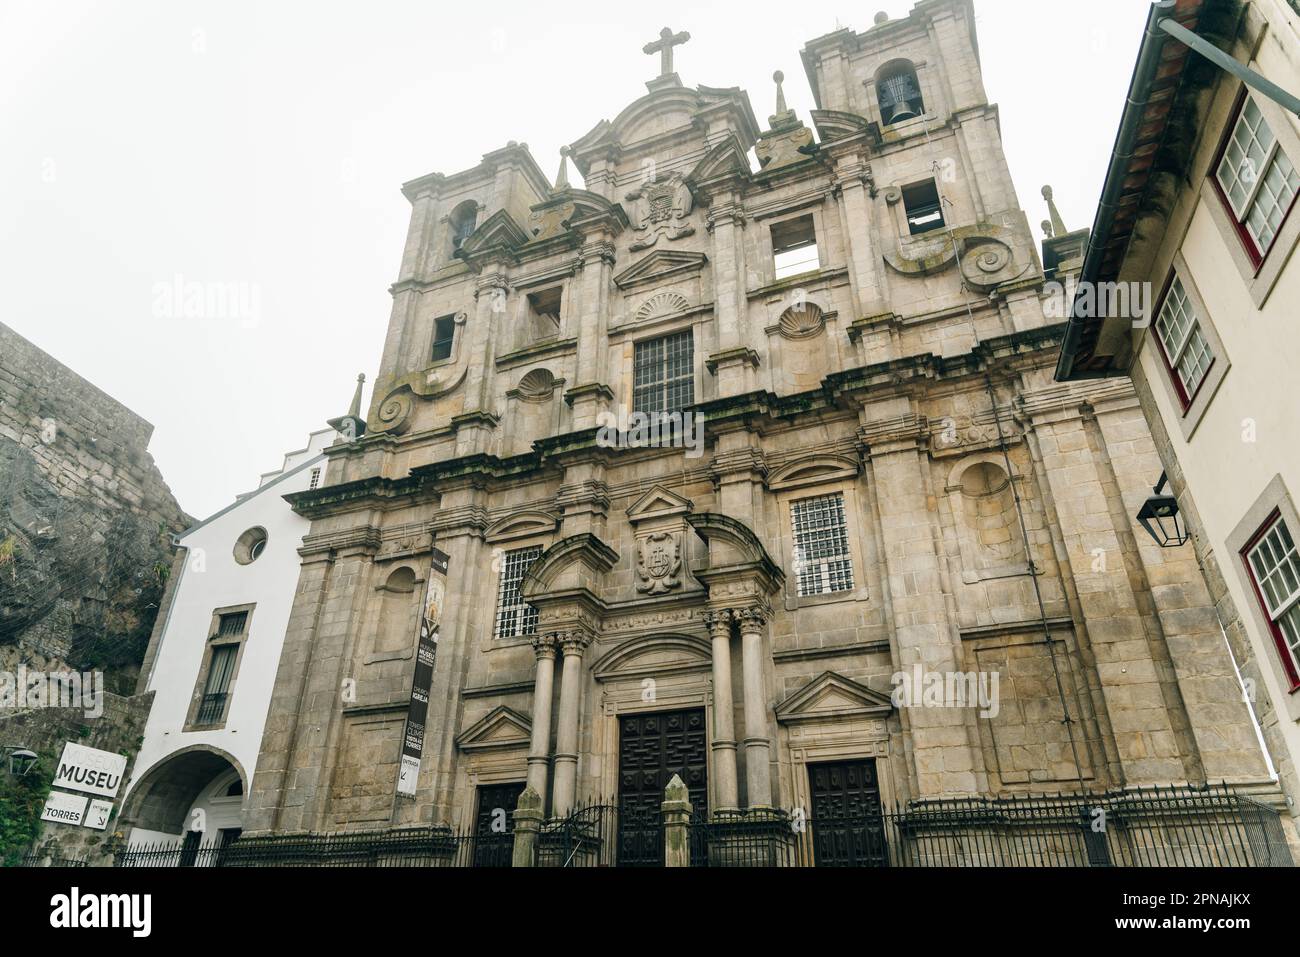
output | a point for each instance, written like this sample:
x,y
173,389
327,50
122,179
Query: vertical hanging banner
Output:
x,y
426,655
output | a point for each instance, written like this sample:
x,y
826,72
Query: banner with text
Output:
x,y
435,596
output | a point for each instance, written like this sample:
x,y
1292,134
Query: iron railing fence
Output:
x,y
35,859
1144,827
406,847
600,834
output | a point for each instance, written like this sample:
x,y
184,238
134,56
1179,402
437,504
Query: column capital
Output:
x,y
544,646
751,617
572,642
718,618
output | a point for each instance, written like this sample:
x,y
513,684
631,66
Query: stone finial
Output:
x,y
881,17
676,790
351,426
1058,225
562,177
529,801
779,77
1047,228
355,408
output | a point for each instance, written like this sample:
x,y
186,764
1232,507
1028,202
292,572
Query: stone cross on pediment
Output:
x,y
664,47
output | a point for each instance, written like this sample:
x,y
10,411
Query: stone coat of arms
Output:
x,y
661,206
658,563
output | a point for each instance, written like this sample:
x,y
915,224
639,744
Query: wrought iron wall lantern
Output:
x,y
21,760
1159,516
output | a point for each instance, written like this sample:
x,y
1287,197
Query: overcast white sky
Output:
x,y
262,145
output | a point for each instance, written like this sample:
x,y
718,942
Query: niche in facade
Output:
x,y
988,529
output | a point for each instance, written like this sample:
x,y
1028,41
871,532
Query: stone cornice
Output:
x,y
364,540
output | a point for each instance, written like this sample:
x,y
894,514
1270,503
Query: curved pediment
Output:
x,y
654,656
733,544
812,470
521,524
665,110
576,562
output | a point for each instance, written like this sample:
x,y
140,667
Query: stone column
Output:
x,y
724,709
539,749
566,734
676,809
758,767
528,821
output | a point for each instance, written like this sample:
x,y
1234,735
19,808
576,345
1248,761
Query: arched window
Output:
x,y
899,92
463,219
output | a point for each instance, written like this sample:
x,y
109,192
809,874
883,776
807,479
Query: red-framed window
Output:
x,y
1273,563
1187,353
1256,180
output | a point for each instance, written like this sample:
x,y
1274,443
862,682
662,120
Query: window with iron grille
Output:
x,y
232,623
663,373
515,617
1274,566
216,691
1256,178
315,478
1187,353
821,545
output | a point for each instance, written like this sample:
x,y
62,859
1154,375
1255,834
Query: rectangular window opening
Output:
x,y
1274,567
663,374
794,247
444,334
923,206
1256,179
1187,352
823,564
515,617
546,305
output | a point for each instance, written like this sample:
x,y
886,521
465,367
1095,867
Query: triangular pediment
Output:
x,y
500,728
832,695
497,231
658,502
660,265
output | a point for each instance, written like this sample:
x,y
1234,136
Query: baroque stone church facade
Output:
x,y
887,481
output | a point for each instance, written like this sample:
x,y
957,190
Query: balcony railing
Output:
x,y
212,708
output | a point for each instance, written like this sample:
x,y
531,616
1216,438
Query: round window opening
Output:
x,y
250,545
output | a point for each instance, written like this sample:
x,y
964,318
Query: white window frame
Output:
x,y
828,579
1184,340
1274,565
515,618
1273,158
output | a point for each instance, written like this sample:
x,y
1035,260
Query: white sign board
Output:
x,y
90,770
64,808
97,815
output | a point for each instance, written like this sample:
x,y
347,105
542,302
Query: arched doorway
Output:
x,y
193,797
